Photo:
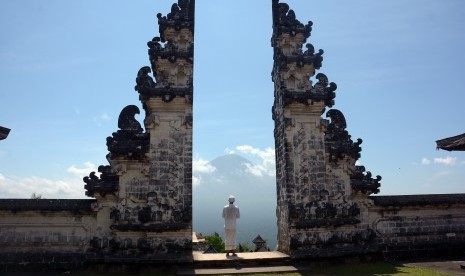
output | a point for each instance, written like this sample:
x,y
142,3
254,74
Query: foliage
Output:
x,y
216,241
36,196
245,247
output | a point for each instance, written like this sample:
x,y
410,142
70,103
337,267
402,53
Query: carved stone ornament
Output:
x,y
129,141
320,92
144,81
181,16
300,59
337,140
288,50
171,57
166,93
284,21
188,121
169,51
106,184
363,182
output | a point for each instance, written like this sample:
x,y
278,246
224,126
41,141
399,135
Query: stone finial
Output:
x,y
181,16
129,141
284,21
337,140
106,184
144,81
362,181
127,120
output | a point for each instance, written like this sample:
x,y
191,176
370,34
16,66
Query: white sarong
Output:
x,y
230,214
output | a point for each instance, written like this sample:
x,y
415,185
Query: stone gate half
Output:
x,y
321,192
145,194
324,206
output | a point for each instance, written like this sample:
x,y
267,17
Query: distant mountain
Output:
x,y
255,196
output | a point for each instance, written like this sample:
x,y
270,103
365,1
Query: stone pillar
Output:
x,y
145,195
318,210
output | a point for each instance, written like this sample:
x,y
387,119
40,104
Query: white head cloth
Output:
x,y
232,199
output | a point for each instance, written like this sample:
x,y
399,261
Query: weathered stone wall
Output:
x,y
419,225
282,168
52,233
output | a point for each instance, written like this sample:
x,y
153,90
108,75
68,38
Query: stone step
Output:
x,y
239,270
271,258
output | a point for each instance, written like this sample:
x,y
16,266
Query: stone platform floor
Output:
x,y
276,262
237,270
243,263
199,257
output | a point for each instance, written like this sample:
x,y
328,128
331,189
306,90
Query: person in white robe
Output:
x,y
230,214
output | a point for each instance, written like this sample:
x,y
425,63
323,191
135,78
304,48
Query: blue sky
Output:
x,y
67,68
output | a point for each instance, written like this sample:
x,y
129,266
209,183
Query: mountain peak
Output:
x,y
229,161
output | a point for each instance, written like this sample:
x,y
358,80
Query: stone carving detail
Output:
x,y
128,142
363,182
289,34
317,59
148,245
323,90
180,17
137,188
127,120
169,51
188,121
159,216
144,82
320,92
294,67
171,56
323,244
284,21
106,184
338,141
321,213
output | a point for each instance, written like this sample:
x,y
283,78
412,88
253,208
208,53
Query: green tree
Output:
x,y
216,241
36,196
245,247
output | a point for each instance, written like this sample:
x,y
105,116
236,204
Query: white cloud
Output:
x,y
17,187
425,161
89,167
449,161
443,173
68,187
196,179
202,166
229,151
266,158
257,170
105,117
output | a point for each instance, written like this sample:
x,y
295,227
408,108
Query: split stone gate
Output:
x,y
142,211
